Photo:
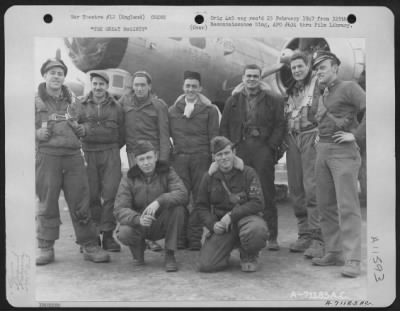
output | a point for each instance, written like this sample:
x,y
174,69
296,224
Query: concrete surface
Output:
x,y
282,275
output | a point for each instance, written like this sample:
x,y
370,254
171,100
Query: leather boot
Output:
x,y
137,252
351,269
153,246
316,250
330,259
109,243
94,253
46,255
300,245
170,261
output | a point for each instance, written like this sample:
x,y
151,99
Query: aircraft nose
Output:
x,y
96,53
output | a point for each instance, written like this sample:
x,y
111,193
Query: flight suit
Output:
x,y
192,157
104,129
337,167
60,166
248,231
256,125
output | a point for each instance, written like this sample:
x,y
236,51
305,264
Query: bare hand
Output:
x,y
151,209
43,134
80,130
146,220
226,221
341,137
219,228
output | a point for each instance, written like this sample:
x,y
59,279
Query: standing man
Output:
x,y
146,118
337,165
229,202
193,123
253,119
301,155
60,165
102,118
150,205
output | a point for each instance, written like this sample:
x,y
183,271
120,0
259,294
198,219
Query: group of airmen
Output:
x,y
190,168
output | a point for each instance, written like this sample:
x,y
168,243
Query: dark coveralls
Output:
x,y
249,231
257,126
60,165
104,128
192,155
136,192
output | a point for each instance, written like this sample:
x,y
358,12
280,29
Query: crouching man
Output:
x,y
230,204
150,205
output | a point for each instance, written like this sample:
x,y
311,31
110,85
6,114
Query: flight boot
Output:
x,y
248,262
316,250
94,253
330,259
170,261
46,255
300,245
137,252
351,269
109,243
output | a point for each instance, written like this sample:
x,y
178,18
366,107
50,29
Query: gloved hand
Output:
x,y
226,221
219,228
80,130
43,134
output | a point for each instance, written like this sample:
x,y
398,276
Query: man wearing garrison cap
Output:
x,y
103,120
337,165
150,205
60,166
146,118
230,202
193,123
253,119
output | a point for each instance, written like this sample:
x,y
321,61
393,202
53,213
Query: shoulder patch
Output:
x,y
254,188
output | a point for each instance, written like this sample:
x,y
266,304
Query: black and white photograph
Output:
x,y
217,167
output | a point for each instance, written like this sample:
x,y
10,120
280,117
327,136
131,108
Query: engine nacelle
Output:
x,y
349,51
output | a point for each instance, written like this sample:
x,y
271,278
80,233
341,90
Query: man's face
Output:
x,y
54,78
191,88
326,72
224,159
147,162
251,78
99,87
141,87
299,69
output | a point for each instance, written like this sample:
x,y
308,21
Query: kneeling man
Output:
x,y
230,204
150,205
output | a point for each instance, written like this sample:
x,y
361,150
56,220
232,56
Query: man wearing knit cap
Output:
x,y
253,119
230,204
60,166
146,118
193,123
150,205
103,120
337,165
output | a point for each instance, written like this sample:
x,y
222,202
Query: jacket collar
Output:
x,y
44,96
237,164
89,99
161,168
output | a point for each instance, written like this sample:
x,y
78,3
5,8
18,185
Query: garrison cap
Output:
x,y
142,73
143,146
192,75
218,143
100,74
321,56
52,63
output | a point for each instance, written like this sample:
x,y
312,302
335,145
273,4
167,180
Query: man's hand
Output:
x,y
43,134
80,130
226,221
219,228
341,137
146,220
151,209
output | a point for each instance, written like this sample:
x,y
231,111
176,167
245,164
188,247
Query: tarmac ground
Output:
x,y
281,276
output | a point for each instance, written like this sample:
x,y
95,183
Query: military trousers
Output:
x,y
104,175
67,173
249,234
191,168
337,167
168,225
255,152
300,162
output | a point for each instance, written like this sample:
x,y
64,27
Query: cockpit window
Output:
x,y
198,42
118,81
